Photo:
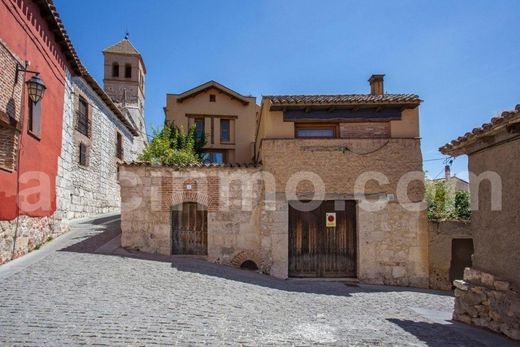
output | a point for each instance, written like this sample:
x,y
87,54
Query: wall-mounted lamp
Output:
x,y
35,85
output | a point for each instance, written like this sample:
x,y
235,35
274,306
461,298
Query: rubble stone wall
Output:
x,y
487,301
20,237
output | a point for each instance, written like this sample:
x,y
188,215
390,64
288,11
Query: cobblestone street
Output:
x,y
79,295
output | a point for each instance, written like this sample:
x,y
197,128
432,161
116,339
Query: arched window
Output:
x,y
115,70
128,71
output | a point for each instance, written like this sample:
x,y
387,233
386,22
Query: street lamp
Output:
x,y
36,88
35,85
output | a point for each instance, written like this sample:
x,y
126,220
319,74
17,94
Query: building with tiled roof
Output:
x,y
465,144
308,149
73,131
493,151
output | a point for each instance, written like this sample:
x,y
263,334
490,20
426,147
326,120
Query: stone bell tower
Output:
x,y
124,77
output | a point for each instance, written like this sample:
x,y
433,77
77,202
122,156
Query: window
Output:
x,y
199,127
225,125
213,157
83,123
315,131
83,154
34,117
128,71
119,146
115,70
212,98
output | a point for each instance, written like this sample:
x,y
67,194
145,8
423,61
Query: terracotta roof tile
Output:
x,y
206,166
123,47
343,99
506,117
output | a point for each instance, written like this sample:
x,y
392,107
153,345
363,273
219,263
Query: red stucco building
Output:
x,y
30,146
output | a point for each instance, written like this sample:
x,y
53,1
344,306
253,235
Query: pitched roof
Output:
x,y
195,166
123,47
52,17
212,84
344,99
507,118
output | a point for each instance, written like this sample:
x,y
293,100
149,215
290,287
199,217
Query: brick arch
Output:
x,y
200,198
252,255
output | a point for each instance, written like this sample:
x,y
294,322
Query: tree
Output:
x,y
172,146
444,203
462,206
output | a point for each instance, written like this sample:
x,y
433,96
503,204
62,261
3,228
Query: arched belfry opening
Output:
x,y
189,227
115,69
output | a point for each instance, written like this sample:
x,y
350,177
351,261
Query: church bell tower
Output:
x,y
124,77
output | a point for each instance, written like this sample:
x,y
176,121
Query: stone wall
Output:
x,y
92,189
20,237
440,237
487,301
392,242
235,234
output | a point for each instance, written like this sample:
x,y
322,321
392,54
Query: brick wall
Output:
x,y
365,130
392,242
234,234
10,107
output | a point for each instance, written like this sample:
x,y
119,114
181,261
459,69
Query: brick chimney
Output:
x,y
376,84
447,173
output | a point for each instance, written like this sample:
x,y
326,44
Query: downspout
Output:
x,y
18,155
258,129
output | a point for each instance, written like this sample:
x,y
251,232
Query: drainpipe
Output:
x,y
18,155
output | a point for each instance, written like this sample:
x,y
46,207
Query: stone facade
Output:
x,y
86,190
440,237
31,233
392,242
235,235
484,300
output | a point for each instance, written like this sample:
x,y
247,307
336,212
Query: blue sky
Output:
x,y
461,57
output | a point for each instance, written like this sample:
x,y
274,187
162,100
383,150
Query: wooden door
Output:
x,y
316,250
190,229
461,252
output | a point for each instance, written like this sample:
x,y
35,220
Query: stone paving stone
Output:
x,y
74,298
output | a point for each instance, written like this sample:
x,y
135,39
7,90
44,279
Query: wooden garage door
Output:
x,y
316,250
190,229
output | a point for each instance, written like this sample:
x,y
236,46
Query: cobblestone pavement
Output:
x,y
78,296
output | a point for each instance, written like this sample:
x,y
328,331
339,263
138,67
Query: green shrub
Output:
x,y
172,146
444,203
